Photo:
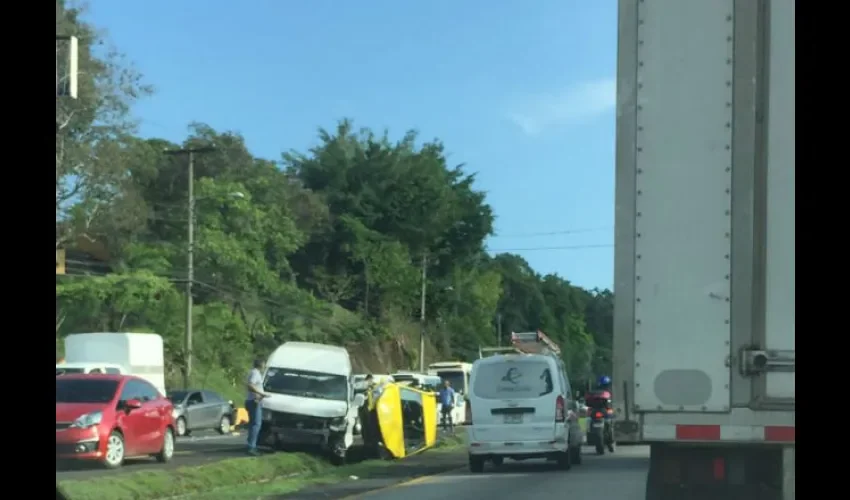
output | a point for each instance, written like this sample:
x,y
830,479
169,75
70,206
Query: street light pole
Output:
x,y
190,255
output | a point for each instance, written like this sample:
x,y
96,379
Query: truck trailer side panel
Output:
x,y
704,323
704,267
780,255
683,181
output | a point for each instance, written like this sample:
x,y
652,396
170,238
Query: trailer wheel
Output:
x,y
652,491
476,464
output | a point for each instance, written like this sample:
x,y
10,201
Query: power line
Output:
x,y
554,233
567,247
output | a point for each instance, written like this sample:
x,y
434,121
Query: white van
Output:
x,y
520,407
312,402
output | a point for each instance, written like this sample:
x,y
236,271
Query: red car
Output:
x,y
107,418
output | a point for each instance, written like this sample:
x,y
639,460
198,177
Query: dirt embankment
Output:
x,y
389,356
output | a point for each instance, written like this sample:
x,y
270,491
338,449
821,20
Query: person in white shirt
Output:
x,y
254,404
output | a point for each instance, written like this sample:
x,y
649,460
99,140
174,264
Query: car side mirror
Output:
x,y
132,404
359,400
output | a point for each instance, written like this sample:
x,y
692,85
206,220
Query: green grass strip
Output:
x,y
189,480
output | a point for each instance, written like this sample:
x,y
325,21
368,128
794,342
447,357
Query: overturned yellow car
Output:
x,y
397,421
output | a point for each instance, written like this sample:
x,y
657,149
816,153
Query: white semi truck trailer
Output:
x,y
704,349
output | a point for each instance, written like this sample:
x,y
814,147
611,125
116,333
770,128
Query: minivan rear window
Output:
x,y
513,379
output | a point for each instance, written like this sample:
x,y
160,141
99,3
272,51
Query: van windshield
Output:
x,y
513,379
306,384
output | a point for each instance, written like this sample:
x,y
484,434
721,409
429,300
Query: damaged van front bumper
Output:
x,y
305,431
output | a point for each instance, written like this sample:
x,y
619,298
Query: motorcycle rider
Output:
x,y
600,401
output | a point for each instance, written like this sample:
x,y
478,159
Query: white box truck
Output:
x,y
704,349
139,354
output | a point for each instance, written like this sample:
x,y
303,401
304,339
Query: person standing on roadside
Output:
x,y
446,398
254,404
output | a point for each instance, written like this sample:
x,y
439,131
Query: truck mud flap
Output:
x,y
711,472
626,432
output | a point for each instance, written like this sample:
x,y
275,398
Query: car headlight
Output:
x,y
88,420
267,415
337,422
175,412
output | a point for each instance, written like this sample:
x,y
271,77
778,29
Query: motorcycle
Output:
x,y
601,433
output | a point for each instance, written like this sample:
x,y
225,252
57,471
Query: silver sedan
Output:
x,y
196,409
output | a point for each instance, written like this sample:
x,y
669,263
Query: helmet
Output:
x,y
604,380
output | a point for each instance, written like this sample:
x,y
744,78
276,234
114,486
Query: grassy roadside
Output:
x,y
355,475
278,472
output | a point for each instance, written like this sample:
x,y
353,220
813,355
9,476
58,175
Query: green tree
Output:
x,y
91,134
326,245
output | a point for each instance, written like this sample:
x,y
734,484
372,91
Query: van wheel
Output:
x,y
563,460
575,455
476,464
382,453
338,458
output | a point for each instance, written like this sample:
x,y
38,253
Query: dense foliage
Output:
x,y
326,245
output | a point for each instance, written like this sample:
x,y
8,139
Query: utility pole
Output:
x,y
422,314
190,254
499,328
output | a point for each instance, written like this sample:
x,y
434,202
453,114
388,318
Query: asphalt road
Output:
x,y
618,476
194,450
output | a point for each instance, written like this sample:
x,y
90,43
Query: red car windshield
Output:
x,y
85,391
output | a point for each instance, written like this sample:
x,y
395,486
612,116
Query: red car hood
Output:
x,y
68,412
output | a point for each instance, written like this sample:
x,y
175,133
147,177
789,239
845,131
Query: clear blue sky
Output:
x,y
521,91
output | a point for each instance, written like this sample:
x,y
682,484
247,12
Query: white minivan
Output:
x,y
311,401
520,407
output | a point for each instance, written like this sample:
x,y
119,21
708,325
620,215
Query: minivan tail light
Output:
x,y
560,413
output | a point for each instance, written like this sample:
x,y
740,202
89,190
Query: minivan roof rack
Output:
x,y
525,343
534,343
